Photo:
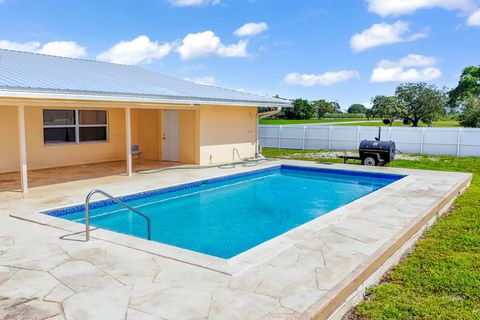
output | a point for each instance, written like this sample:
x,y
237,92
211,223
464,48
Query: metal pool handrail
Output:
x,y
87,211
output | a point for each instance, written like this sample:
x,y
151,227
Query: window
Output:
x,y
74,126
92,125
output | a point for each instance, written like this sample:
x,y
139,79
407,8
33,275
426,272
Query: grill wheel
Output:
x,y
370,161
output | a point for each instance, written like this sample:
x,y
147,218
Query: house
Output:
x,y
57,112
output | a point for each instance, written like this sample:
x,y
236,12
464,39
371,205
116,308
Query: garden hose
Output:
x,y
229,165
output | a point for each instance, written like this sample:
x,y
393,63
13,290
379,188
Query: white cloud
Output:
x,y
193,3
413,67
324,79
405,75
412,60
139,50
382,34
63,49
208,80
251,29
30,46
204,44
474,19
238,49
56,48
198,45
401,7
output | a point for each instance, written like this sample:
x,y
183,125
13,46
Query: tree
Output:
x,y
420,102
336,107
469,84
470,116
322,107
357,108
385,107
413,102
301,110
369,114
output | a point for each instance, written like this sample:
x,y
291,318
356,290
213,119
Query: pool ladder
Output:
x,y
117,201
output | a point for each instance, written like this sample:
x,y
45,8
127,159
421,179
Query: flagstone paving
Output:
x,y
45,275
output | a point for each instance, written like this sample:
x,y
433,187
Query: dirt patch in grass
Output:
x,y
314,156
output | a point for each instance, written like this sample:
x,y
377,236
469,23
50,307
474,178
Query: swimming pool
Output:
x,y
226,216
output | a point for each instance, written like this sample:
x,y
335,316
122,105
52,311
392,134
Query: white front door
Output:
x,y
170,136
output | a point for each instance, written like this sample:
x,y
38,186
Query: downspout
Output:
x,y
262,115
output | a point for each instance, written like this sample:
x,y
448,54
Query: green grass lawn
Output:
x,y
296,154
282,121
440,279
442,123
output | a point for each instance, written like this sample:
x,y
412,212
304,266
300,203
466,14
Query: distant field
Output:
x,y
376,123
281,121
357,122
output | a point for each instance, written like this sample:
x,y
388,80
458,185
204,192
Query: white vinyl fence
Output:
x,y
435,141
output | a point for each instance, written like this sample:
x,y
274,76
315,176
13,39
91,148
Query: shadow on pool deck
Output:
x,y
36,178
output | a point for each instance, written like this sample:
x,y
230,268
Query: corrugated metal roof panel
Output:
x,y
31,72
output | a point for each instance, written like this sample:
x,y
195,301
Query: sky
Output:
x,y
338,50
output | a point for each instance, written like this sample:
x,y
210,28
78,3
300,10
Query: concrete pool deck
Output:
x,y
319,271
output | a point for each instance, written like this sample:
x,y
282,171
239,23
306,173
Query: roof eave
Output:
x,y
121,98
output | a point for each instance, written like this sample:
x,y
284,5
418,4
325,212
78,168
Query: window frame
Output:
x,y
77,127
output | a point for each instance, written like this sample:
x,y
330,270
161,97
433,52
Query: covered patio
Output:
x,y
163,137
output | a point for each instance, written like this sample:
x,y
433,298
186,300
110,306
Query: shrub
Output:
x,y
344,115
357,108
471,112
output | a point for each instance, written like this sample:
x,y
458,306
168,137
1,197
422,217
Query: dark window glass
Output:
x,y
93,134
92,117
58,135
58,117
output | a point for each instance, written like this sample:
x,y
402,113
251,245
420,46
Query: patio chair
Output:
x,y
136,153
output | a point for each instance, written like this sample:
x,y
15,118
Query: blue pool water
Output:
x,y
227,216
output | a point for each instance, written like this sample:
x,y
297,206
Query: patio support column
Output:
x,y
128,137
22,148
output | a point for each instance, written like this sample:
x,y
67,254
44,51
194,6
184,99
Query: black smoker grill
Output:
x,y
374,152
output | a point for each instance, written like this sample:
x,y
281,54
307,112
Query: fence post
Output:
x,y
280,137
422,141
458,141
358,135
329,137
303,137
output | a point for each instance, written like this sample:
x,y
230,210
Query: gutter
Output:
x,y
262,115
19,94
268,113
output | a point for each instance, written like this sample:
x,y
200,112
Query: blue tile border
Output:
x,y
389,176
136,196
145,194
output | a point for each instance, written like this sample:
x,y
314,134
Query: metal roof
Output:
x,y
24,74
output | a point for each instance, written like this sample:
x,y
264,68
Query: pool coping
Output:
x,y
350,291
231,266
